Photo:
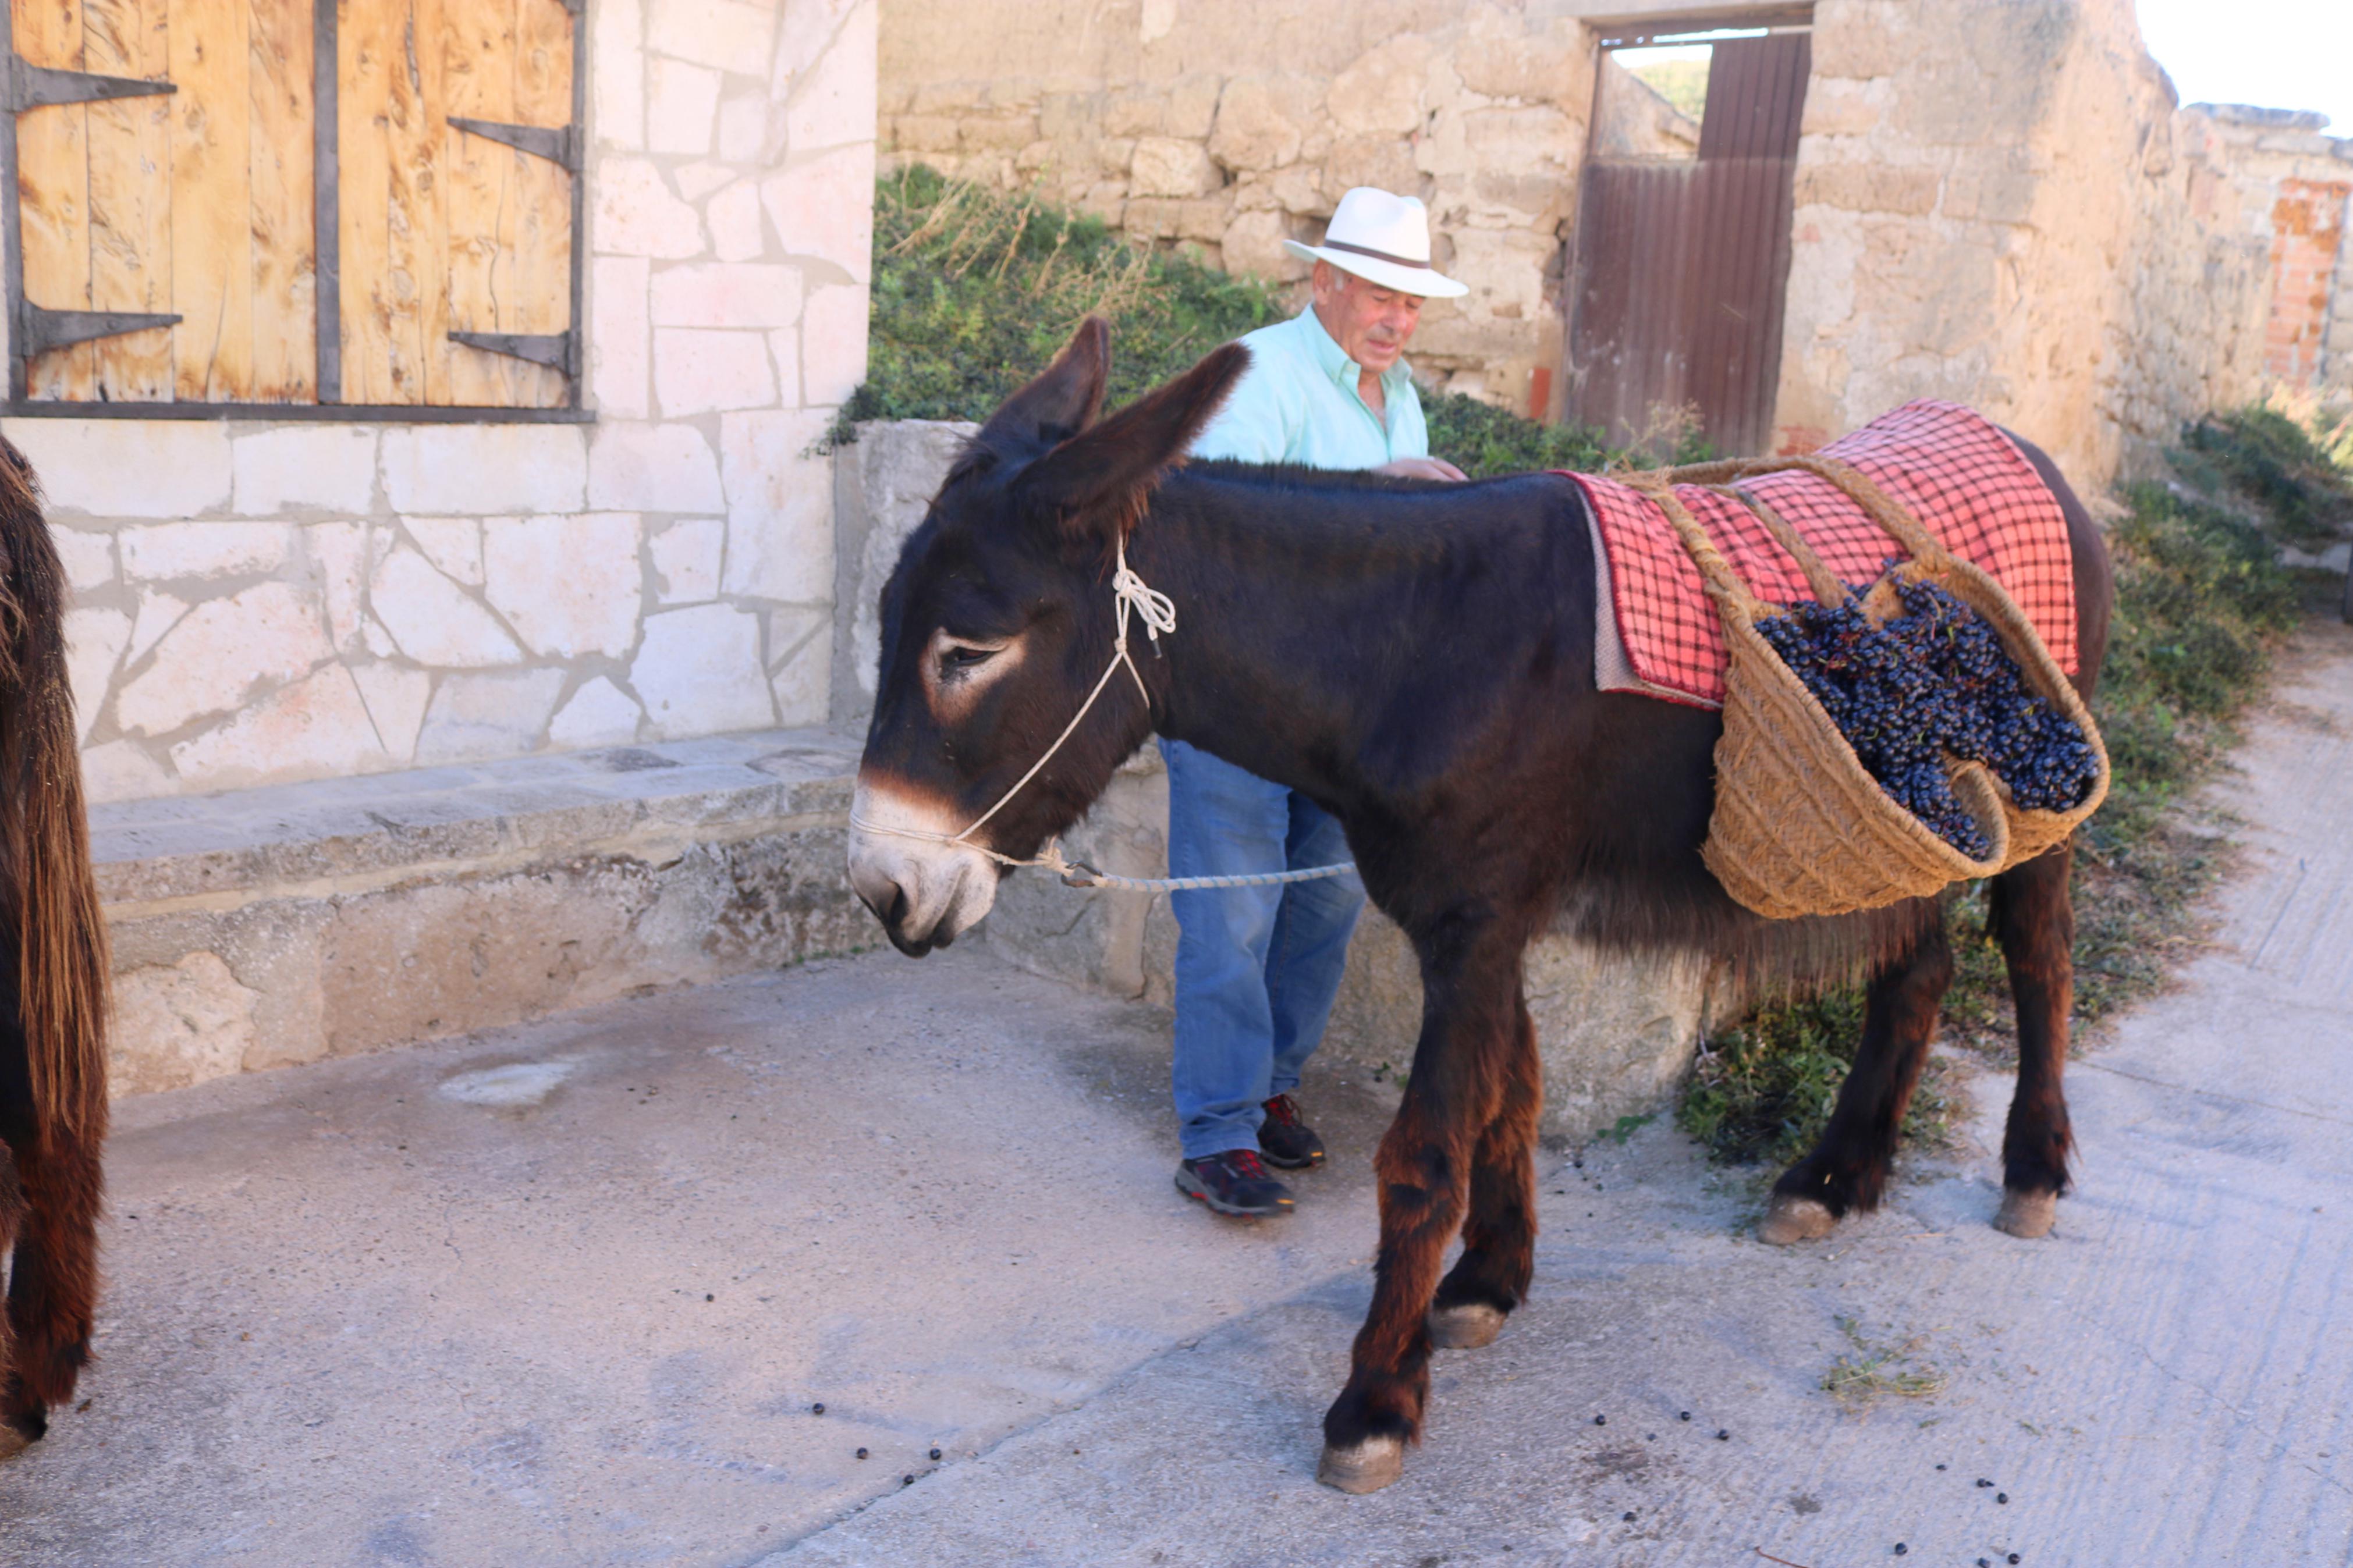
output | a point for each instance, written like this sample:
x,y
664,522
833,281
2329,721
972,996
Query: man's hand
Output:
x,y
1423,468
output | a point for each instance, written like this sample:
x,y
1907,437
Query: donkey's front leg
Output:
x,y
1424,1168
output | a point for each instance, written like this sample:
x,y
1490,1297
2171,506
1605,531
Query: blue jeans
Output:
x,y
1257,968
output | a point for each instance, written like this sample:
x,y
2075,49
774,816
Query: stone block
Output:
x,y
652,467
434,621
738,232
700,372
681,106
128,468
158,613
270,632
636,214
1133,112
779,505
331,467
454,545
599,714
686,557
1539,66
1253,243
619,74
312,728
725,35
395,699
833,343
1385,162
620,342
1168,166
802,681
1520,139
744,123
441,469
823,208
1192,105
1259,123
121,770
727,294
784,353
337,553
167,552
1994,196
1382,90
569,585
698,672
88,555
833,102
1204,218
178,1025
496,713
699,179
94,644
925,133
1868,187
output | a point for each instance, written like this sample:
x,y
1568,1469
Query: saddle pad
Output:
x,y
1968,485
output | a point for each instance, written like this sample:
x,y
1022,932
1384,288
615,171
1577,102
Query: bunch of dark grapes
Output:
x,y
1930,684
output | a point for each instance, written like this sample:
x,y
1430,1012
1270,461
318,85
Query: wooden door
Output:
x,y
1681,267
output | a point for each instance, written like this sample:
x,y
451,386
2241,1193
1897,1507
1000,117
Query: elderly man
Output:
x,y
1257,968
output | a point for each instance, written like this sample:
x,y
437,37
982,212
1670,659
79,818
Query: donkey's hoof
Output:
x,y
2027,1215
1789,1220
1471,1327
13,1440
1365,1466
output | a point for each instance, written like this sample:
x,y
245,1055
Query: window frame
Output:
x,y
570,145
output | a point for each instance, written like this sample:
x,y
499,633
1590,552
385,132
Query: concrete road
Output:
x,y
566,1294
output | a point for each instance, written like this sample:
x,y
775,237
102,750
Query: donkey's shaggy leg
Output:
x,y
52,1285
2034,918
1847,1168
1499,1237
12,1217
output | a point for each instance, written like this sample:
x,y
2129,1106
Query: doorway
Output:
x,y
1683,236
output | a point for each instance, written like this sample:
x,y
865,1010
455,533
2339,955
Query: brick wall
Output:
x,y
259,602
2307,234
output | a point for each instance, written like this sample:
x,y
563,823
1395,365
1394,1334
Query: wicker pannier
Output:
x,y
1800,828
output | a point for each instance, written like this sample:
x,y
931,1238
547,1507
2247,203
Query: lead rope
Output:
x,y
1130,596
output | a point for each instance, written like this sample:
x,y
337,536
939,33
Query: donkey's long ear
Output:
x,y
1099,481
1062,402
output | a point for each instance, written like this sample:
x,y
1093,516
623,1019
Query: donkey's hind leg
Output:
x,y
12,1219
2032,915
1499,1238
1848,1167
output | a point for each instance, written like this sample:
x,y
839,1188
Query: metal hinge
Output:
x,y
559,144
558,350
29,86
40,329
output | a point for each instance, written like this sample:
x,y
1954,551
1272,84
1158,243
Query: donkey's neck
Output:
x,y
1314,619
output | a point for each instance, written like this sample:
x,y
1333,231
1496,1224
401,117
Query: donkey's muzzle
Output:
x,y
925,892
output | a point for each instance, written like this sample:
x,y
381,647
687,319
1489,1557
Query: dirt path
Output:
x,y
392,1310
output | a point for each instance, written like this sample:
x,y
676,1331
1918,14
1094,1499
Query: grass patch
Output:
x,y
2201,605
1872,1369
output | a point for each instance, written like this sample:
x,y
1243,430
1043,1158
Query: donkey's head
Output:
x,y
996,625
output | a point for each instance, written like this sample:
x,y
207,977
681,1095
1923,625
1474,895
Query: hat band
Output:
x,y
1378,255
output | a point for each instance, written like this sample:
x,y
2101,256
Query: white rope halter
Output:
x,y
1130,596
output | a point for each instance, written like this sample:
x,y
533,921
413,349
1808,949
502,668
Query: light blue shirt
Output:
x,y
1298,403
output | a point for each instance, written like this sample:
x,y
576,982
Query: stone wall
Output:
x,y
1231,127
259,601
2293,186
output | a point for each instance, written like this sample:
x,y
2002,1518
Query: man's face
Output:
x,y
1370,324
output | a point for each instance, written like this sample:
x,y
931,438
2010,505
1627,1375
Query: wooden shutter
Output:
x,y
194,203
458,159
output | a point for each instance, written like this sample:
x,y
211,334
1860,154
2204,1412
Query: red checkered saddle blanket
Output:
x,y
1656,632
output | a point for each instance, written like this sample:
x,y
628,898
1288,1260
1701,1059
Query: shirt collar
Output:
x,y
1335,363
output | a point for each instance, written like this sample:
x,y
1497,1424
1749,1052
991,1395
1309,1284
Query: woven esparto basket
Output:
x,y
1800,828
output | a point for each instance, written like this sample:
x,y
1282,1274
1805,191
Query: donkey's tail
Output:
x,y
46,885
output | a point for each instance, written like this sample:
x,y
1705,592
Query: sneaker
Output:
x,y
1234,1183
1288,1143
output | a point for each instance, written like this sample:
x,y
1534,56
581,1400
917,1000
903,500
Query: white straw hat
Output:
x,y
1384,239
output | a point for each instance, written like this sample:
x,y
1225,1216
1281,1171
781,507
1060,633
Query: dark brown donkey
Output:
x,y
1419,659
52,987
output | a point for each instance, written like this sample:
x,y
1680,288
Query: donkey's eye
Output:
x,y
957,658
